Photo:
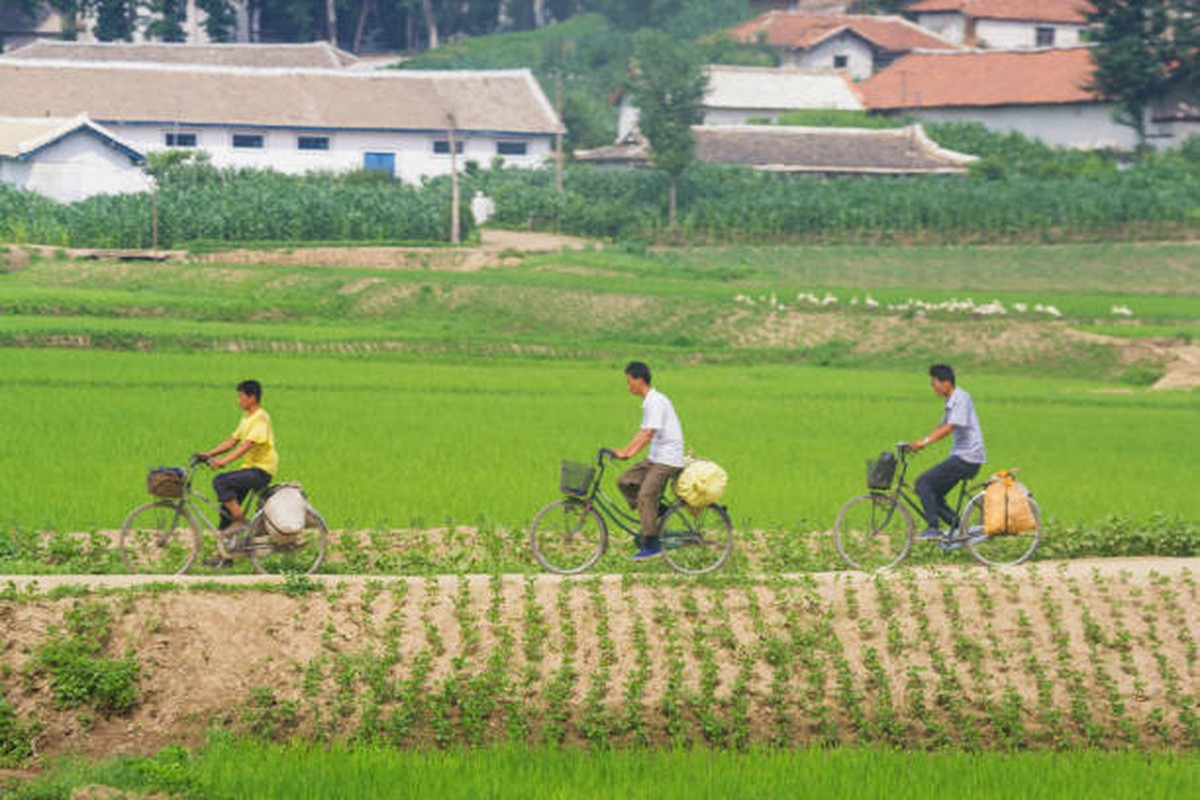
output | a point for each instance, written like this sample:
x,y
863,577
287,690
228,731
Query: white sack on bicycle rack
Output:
x,y
286,510
701,483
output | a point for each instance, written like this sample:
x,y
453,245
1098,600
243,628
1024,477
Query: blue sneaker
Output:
x,y
930,535
649,552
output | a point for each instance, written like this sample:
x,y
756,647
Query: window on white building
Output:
x,y
511,148
312,142
441,147
248,141
1045,37
180,139
841,62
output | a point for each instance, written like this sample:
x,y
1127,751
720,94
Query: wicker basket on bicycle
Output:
x,y
881,471
166,482
575,478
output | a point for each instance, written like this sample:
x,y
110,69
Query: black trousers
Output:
x,y
236,485
935,482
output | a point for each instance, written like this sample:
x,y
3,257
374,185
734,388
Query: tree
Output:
x,y
667,86
168,26
1143,49
115,20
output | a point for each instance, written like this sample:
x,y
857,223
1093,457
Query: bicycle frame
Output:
x,y
900,493
193,503
609,508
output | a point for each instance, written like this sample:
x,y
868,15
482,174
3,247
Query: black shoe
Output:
x,y
218,562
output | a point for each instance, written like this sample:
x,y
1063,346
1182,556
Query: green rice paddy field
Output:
x,y
422,397
398,443
298,771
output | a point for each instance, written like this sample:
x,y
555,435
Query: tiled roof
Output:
x,y
20,138
982,78
803,31
500,101
782,89
319,55
782,148
1062,11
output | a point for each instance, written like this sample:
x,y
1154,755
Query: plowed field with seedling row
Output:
x,y
1059,655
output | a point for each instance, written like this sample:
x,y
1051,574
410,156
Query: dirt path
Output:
x,y
497,248
1078,569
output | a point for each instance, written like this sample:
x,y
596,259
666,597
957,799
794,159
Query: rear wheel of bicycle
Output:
x,y
1000,550
158,539
568,537
301,554
696,541
873,532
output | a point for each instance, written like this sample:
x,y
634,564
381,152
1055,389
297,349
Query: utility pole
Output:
x,y
455,221
558,137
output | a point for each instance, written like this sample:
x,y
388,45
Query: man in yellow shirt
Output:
x,y
254,441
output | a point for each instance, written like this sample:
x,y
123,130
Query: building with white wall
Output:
x,y
858,44
68,159
1005,24
298,120
1040,94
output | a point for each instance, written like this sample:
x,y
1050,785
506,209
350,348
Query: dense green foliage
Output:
x,y
228,769
80,674
203,203
731,204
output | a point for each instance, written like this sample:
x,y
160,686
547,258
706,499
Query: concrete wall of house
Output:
x,y
949,25
1080,126
1013,35
413,153
76,168
860,58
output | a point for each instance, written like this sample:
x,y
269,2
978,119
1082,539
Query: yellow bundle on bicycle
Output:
x,y
1006,508
701,483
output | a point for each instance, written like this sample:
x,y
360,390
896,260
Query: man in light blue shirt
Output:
x,y
966,455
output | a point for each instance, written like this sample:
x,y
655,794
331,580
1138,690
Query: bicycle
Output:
x,y
569,536
163,537
875,531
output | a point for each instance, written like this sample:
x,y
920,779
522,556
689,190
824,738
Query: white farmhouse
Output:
x,y
68,159
1037,93
298,120
858,44
1005,24
738,95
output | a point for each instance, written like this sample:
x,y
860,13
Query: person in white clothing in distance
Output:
x,y
643,483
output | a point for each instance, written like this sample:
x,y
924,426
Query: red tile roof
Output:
x,y
802,31
982,78
1063,11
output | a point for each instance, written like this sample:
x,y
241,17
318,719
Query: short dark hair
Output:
x,y
251,389
636,369
943,372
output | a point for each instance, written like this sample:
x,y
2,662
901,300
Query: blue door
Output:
x,y
380,162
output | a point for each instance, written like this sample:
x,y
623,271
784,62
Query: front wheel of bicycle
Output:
x,y
696,541
999,550
298,554
568,537
873,532
158,539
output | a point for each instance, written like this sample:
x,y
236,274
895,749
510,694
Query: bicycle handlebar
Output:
x,y
603,453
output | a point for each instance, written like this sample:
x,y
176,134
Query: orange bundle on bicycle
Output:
x,y
1006,508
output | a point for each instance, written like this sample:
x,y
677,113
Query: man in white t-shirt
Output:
x,y
644,482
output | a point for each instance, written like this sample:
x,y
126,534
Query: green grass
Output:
x,y
297,771
386,442
424,397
